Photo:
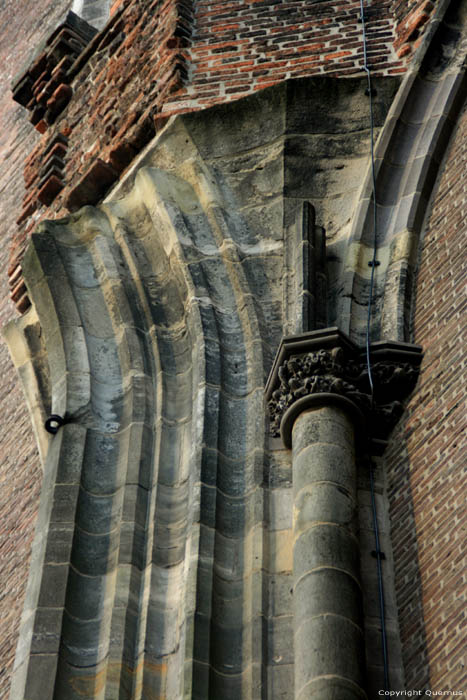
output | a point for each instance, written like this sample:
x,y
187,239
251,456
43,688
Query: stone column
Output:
x,y
320,402
328,633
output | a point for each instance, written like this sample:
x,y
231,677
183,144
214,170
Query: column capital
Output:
x,y
325,367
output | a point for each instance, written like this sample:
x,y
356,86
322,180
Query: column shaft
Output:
x,y
328,635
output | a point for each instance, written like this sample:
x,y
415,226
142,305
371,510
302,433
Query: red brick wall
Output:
x,y
426,461
155,58
22,25
112,96
411,20
241,47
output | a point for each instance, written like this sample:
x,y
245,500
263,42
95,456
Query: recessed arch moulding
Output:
x,y
162,560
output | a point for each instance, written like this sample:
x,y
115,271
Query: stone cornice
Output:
x,y
322,367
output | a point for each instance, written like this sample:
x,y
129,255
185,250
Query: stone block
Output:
x,y
166,303
104,461
246,131
324,689
64,503
402,144
134,546
234,516
227,644
337,100
326,545
59,542
324,425
202,636
99,514
278,593
79,263
174,350
207,512
70,394
328,591
74,682
325,502
201,675
324,462
137,504
93,312
365,511
229,686
375,679
177,404
280,681
88,596
280,551
280,644
422,93
138,441
95,555
371,600
328,646
85,642
280,508
53,585
128,628
246,416
41,674
168,555
168,624
47,631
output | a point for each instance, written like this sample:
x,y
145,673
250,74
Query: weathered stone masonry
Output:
x,y
188,200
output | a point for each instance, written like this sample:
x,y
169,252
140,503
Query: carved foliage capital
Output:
x,y
342,369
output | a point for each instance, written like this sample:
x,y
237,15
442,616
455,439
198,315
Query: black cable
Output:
x,y
378,552
373,174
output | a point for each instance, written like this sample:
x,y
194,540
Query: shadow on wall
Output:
x,y
96,12
407,574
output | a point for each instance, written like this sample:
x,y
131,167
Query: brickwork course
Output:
x,y
96,99
169,57
426,460
21,24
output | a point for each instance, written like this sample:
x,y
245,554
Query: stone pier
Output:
x,y
328,633
320,403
